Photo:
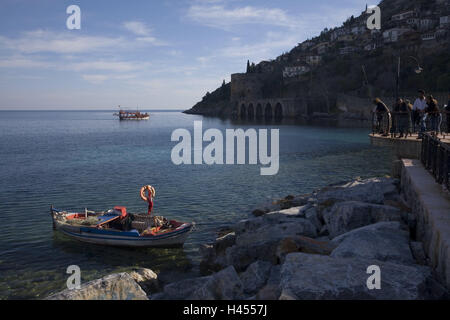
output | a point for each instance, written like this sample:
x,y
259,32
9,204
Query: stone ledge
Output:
x,y
431,207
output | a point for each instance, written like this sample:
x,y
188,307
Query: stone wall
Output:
x,y
430,215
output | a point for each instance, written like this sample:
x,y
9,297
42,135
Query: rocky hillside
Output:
x,y
356,61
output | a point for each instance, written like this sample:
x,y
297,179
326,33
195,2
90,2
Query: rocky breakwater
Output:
x,y
317,246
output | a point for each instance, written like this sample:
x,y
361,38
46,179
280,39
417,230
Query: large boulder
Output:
x,y
255,277
261,243
349,215
374,190
308,276
223,285
303,244
384,241
272,290
117,286
180,290
147,279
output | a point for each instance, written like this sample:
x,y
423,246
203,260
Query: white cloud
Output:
x,y
46,41
21,62
220,17
100,78
137,27
114,66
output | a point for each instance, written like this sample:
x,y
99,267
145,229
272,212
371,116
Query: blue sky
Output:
x,y
151,54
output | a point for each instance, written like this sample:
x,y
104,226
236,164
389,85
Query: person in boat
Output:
x,y
433,114
382,113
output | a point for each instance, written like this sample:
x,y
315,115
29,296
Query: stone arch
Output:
x,y
278,111
268,112
243,112
251,112
235,112
259,111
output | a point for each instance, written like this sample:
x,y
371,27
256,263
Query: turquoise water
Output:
x,y
89,159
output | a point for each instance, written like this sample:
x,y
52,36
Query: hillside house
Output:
x,y
428,36
393,35
313,60
444,21
347,50
321,47
295,71
427,24
404,15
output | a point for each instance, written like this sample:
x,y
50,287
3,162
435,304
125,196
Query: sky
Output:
x,y
163,54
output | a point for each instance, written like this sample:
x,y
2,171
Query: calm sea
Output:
x,y
89,159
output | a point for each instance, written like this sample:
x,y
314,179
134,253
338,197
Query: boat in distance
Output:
x,y
117,227
132,115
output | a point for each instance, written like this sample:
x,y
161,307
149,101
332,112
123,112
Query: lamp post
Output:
x,y
418,70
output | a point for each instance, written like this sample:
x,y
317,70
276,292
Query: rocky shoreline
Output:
x,y
314,246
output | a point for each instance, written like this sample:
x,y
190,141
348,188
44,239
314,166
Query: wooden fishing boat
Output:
x,y
132,115
116,227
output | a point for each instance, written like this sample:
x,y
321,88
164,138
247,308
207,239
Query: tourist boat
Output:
x,y
132,115
104,228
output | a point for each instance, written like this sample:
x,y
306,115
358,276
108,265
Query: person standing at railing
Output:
x,y
381,112
410,116
419,112
401,116
447,114
433,114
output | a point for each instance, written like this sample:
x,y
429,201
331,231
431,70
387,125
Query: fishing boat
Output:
x,y
117,227
132,115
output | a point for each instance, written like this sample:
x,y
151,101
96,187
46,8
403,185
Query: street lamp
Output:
x,y
417,70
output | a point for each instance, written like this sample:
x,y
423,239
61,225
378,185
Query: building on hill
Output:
x,y
427,24
321,48
313,60
404,15
347,50
295,71
394,34
444,21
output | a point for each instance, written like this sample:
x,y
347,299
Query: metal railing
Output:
x,y
389,122
435,157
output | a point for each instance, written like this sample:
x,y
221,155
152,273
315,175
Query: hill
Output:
x,y
338,72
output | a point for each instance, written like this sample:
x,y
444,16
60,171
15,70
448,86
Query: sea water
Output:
x,y
89,159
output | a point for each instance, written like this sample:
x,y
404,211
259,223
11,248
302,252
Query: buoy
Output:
x,y
151,192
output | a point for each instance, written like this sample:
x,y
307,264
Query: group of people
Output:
x,y
405,118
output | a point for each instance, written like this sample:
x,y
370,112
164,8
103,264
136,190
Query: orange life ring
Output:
x,y
150,190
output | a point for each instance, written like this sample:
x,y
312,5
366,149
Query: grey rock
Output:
x,y
383,241
272,289
303,244
223,285
418,252
147,279
182,289
224,242
312,216
374,190
255,276
307,276
117,286
349,215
